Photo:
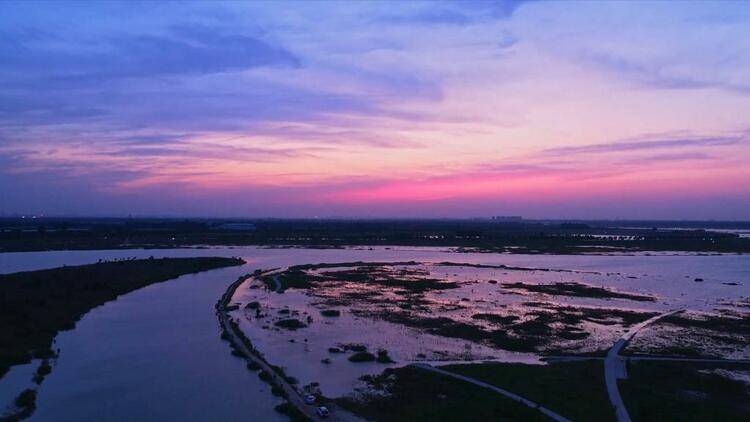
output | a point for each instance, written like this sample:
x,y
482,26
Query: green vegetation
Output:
x,y
46,233
728,322
36,305
290,324
540,328
42,371
290,279
496,319
265,376
348,264
292,412
362,357
413,394
577,290
383,357
575,390
384,277
25,404
239,353
282,373
354,347
657,391
699,335
299,277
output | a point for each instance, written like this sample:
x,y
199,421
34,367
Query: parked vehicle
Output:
x,y
323,412
310,399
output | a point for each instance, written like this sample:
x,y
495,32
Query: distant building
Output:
x,y
508,218
236,226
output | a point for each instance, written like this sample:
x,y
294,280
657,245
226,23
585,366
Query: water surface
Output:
x,y
155,354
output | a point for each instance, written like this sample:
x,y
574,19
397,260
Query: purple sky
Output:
x,y
376,109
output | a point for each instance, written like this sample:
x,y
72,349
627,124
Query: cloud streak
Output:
x,y
648,145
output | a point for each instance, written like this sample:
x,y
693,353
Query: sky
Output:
x,y
575,109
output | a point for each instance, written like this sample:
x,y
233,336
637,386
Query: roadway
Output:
x,y
614,366
292,395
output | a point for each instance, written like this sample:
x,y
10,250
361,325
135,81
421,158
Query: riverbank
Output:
x,y
36,305
295,406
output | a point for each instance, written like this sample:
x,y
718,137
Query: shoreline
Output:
x,y
242,347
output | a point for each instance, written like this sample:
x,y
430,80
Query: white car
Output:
x,y
323,411
310,399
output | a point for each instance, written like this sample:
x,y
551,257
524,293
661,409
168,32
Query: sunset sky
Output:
x,y
376,109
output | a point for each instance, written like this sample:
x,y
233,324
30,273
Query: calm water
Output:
x,y
155,354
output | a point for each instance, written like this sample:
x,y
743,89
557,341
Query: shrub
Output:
x,y
362,357
290,324
27,399
355,347
383,357
330,312
265,376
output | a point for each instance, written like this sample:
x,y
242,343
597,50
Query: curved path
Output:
x,y
292,395
499,390
614,366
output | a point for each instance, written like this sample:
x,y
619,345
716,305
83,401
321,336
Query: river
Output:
x,y
155,354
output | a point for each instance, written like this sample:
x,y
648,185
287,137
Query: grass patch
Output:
x,y
36,305
413,394
730,323
349,264
290,324
573,389
447,327
362,357
677,391
291,279
577,290
384,277
496,319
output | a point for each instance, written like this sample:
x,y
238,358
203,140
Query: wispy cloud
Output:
x,y
184,50
660,76
647,145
